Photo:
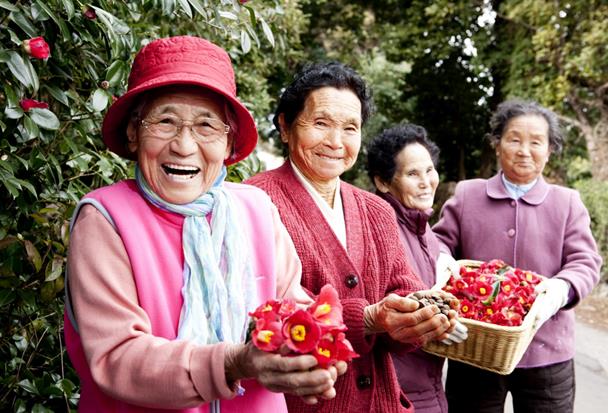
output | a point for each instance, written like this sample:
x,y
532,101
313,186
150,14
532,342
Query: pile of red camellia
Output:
x,y
317,330
494,292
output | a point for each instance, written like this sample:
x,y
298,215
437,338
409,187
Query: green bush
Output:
x,y
51,156
595,196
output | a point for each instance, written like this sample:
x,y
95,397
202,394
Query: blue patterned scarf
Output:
x,y
219,285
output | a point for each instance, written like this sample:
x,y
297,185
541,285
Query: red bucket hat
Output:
x,y
180,60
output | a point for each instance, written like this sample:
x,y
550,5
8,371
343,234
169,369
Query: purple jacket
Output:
x,y
419,373
546,231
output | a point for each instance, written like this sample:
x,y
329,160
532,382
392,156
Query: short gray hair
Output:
x,y
513,108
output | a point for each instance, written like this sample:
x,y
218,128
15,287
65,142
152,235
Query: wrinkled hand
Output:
x,y
444,268
459,333
552,295
404,322
282,374
335,371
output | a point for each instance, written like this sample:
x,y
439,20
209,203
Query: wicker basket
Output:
x,y
489,346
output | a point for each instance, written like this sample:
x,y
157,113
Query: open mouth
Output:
x,y
180,170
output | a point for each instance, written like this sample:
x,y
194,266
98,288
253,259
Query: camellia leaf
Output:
x,y
13,112
60,22
228,15
116,72
57,93
7,297
54,268
33,74
30,126
33,255
44,118
16,65
267,31
8,6
24,23
199,7
11,96
245,42
68,5
185,7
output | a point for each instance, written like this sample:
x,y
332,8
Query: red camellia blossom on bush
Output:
x,y
90,14
318,330
27,104
494,293
37,47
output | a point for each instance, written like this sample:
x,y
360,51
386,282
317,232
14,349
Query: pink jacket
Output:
x,y
152,239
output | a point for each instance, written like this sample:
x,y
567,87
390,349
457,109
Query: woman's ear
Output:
x,y
382,187
132,138
283,129
229,146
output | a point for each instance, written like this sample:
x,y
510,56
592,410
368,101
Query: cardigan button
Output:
x,y
364,382
511,233
512,203
351,280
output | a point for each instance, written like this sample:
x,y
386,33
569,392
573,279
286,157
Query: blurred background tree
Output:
x,y
442,64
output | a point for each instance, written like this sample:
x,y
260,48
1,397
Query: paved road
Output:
x,y
591,364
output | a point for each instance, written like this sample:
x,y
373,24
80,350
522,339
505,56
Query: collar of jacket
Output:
x,y
496,189
414,219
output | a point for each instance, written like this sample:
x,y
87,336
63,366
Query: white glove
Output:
x,y
458,335
444,268
553,295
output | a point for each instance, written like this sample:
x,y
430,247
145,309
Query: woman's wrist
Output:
x,y
233,362
369,320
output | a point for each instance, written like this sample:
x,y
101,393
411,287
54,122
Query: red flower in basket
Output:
x,y
481,289
494,292
301,332
267,335
467,308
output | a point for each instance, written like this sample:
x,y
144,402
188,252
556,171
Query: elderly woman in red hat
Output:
x,y
164,268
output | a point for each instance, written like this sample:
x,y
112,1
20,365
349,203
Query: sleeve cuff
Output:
x,y
353,318
208,374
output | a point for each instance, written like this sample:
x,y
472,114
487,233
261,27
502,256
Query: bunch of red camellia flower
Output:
x,y
317,330
494,293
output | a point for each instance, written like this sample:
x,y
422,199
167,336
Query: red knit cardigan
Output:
x,y
373,266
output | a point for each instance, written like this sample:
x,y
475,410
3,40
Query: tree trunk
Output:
x,y
597,146
596,135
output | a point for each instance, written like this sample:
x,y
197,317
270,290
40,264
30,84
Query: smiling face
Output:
x,y
181,169
325,138
415,180
523,149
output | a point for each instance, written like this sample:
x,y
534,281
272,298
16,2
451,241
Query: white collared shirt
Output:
x,y
334,216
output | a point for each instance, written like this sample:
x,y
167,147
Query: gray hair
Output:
x,y
513,108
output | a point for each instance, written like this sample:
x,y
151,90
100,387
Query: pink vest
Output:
x,y
153,240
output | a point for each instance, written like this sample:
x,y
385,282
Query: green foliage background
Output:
x,y
443,64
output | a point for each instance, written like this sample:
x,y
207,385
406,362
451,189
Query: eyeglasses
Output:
x,y
204,130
